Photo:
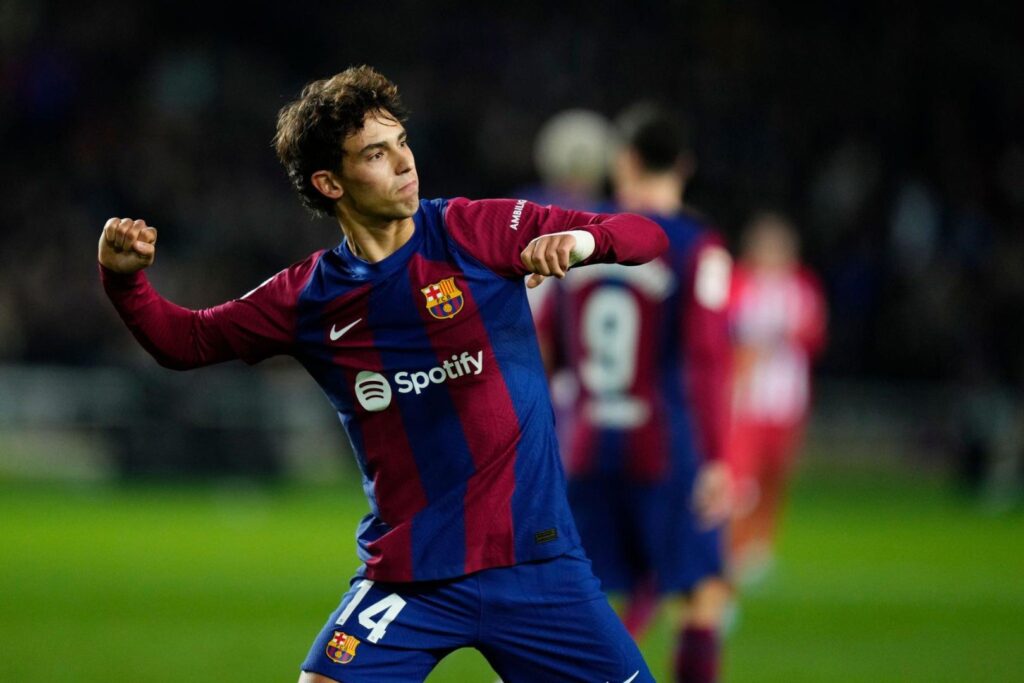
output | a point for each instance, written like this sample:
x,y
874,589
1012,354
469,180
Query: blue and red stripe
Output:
x,y
488,496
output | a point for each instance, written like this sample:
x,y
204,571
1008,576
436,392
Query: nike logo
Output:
x,y
337,334
633,677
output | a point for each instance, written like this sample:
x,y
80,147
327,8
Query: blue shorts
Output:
x,y
534,622
635,531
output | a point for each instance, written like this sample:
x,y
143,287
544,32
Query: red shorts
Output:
x,y
759,448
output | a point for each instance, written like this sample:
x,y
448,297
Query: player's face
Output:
x,y
771,245
378,172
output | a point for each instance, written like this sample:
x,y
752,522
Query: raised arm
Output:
x,y
254,327
517,237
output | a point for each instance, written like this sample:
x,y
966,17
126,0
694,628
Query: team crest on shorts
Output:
x,y
342,648
444,298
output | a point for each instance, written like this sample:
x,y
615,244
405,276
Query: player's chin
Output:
x,y
408,205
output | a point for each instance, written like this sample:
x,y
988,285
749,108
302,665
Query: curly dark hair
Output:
x,y
312,129
659,136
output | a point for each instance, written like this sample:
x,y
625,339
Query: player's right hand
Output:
x,y
712,494
127,245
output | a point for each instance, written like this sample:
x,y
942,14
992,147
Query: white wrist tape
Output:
x,y
585,244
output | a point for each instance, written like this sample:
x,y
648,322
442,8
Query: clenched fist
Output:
x,y
127,246
555,253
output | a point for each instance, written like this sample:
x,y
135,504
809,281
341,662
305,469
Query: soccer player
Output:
x,y
777,313
649,348
570,154
416,327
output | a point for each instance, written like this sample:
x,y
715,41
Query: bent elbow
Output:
x,y
660,240
651,241
174,362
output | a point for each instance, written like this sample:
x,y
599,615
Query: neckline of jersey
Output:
x,y
364,270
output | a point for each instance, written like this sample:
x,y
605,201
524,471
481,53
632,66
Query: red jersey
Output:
x,y
778,326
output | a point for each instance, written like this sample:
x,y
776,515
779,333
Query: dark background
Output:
x,y
890,131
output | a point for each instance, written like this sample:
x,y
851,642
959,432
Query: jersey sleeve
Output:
x,y
707,350
495,231
253,327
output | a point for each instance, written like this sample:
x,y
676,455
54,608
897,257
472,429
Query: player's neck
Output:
x,y
375,240
654,194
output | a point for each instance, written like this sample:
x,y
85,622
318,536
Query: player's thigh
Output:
x,y
372,665
704,606
393,633
548,621
306,677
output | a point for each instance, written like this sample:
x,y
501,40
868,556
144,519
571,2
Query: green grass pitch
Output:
x,y
880,579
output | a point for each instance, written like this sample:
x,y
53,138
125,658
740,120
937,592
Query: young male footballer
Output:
x,y
417,328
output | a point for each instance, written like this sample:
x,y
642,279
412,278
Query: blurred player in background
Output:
x,y
571,155
417,328
777,315
649,349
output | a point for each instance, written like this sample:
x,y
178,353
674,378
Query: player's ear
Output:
x,y
328,184
624,166
686,167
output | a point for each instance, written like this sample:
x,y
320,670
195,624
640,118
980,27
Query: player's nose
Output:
x,y
404,162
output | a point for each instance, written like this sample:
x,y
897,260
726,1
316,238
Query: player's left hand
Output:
x,y
547,255
712,494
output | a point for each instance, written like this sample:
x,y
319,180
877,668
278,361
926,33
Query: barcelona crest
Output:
x,y
444,298
342,648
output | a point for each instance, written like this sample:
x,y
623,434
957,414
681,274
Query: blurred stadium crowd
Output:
x,y
889,132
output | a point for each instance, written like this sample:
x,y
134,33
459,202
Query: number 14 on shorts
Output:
x,y
388,608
